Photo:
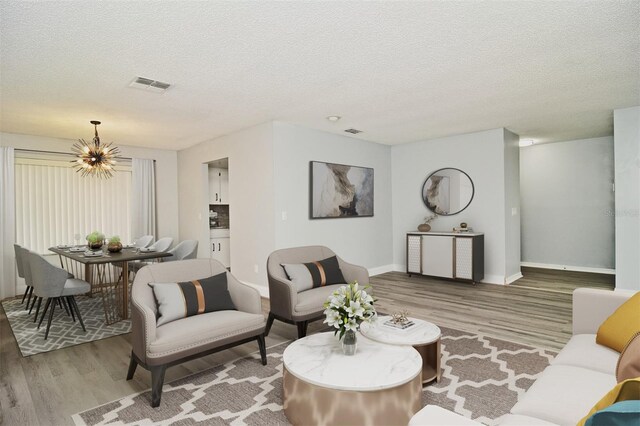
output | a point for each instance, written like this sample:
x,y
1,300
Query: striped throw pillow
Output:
x,y
314,274
184,299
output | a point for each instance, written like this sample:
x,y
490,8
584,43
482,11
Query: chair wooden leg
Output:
x,y
30,302
46,306
35,318
269,323
75,307
263,349
302,329
30,291
63,304
71,310
53,308
132,367
157,380
25,295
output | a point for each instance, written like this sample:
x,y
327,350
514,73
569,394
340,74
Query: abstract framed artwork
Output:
x,y
338,190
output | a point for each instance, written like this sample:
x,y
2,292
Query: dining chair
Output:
x,y
19,263
187,249
54,284
144,241
160,246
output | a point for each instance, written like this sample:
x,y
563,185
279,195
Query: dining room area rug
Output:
x,y
482,378
64,332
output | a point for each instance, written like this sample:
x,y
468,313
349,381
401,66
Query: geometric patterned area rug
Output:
x,y
482,378
64,332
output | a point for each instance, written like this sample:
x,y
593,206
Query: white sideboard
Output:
x,y
446,254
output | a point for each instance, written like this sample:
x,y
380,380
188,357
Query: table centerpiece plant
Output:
x,y
114,245
95,240
347,308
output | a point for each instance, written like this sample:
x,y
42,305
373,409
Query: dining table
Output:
x,y
108,274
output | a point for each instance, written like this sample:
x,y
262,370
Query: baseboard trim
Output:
x,y
380,270
569,268
493,279
264,291
514,277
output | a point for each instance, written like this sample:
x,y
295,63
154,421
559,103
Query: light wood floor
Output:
x,y
46,389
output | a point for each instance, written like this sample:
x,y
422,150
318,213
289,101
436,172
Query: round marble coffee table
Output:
x,y
379,385
423,336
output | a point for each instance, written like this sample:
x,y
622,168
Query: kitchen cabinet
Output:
x,y
220,250
218,186
451,255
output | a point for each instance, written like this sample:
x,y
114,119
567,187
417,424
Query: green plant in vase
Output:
x,y
95,240
114,245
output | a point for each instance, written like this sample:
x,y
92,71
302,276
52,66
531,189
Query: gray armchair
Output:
x,y
158,347
300,308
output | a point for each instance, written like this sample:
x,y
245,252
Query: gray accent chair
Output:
x,y
300,308
187,249
158,347
54,284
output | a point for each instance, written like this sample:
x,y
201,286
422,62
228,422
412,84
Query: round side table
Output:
x,y
379,385
423,336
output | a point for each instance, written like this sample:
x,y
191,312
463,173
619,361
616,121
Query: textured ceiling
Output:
x,y
399,71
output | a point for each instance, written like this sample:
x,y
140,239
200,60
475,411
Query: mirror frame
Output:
x,y
473,191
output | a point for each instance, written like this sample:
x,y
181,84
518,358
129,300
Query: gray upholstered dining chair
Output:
x,y
187,249
160,246
157,347
300,308
18,250
144,241
54,284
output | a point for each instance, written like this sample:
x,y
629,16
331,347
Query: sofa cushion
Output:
x,y
203,329
583,351
564,394
310,275
312,300
616,331
624,391
188,298
518,420
629,361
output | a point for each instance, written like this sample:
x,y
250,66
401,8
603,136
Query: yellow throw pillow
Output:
x,y
616,331
624,391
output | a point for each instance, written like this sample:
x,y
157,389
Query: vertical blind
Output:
x,y
54,203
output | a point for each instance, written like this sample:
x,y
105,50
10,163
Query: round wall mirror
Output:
x,y
447,191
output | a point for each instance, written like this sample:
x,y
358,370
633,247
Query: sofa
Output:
x,y
579,376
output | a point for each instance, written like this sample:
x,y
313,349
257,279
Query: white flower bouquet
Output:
x,y
348,307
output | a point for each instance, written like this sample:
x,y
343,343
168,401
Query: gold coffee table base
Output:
x,y
309,404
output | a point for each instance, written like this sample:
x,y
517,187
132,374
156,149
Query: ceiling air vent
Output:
x,y
149,85
353,131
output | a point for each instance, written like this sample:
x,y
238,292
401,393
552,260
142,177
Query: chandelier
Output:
x,y
93,157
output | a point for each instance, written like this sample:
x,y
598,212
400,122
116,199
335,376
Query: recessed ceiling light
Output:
x,y
333,118
526,142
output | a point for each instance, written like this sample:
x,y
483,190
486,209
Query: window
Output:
x,y
54,203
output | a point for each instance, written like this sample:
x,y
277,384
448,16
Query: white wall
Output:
x,y
364,241
568,204
251,198
481,155
166,172
626,125
512,214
